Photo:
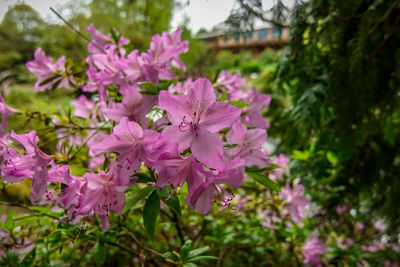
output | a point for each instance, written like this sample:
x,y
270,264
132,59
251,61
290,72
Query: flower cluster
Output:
x,y
198,135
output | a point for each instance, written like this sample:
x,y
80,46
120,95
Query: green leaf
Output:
x,y
223,96
142,193
151,211
114,36
55,85
198,251
106,164
271,167
238,103
264,180
300,155
150,88
171,201
47,80
186,247
143,178
189,264
171,255
216,76
202,258
29,258
9,223
100,250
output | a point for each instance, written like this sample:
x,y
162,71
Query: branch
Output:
x,y
75,30
391,8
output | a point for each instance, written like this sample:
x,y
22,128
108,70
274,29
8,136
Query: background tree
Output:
x,y
341,76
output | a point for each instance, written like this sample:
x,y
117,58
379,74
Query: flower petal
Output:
x,y
219,116
207,148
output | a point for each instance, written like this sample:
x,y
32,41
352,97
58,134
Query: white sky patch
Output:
x,y
203,13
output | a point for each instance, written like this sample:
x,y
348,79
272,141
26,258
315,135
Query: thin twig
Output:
x,y
87,140
75,30
133,237
384,17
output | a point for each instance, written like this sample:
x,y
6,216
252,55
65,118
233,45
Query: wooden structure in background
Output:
x,y
256,40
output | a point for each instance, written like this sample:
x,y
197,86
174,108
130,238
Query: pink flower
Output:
x,y
42,67
164,50
132,66
94,81
5,112
249,143
134,105
379,225
99,40
72,189
181,87
282,161
103,42
252,113
201,196
196,120
296,203
312,249
106,66
83,107
340,209
105,192
32,165
133,144
173,169
173,43
360,226
232,83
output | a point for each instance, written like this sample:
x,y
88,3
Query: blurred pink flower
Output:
x,y
312,249
296,203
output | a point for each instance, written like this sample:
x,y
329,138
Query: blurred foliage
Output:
x,y
341,74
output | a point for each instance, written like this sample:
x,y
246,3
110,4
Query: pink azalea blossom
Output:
x,y
312,249
101,42
106,67
173,169
173,43
201,196
341,209
181,87
360,226
379,225
105,192
164,50
42,67
196,120
249,143
134,105
373,248
73,186
296,203
252,113
132,66
83,107
5,112
282,161
133,144
94,82
32,165
232,83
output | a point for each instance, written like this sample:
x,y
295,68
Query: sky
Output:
x,y
202,13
